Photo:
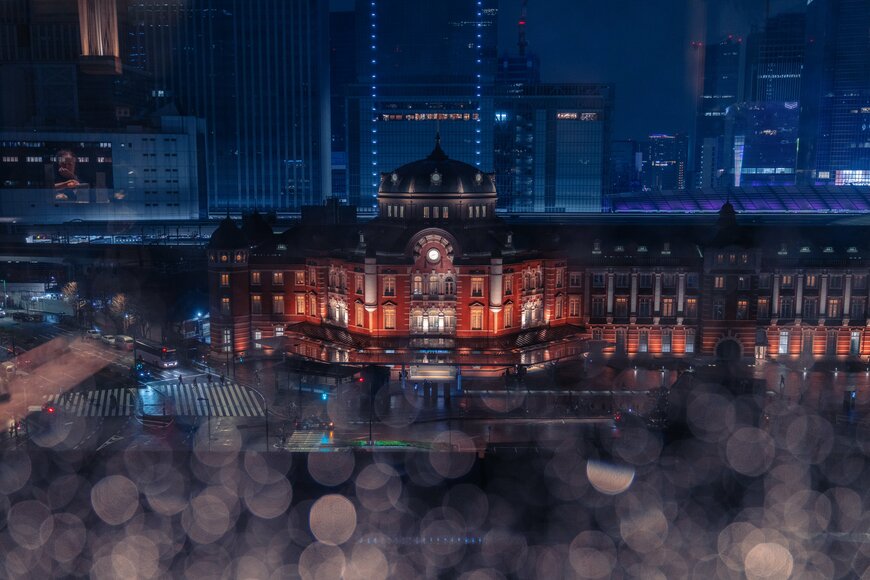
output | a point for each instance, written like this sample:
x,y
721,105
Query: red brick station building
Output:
x,y
438,282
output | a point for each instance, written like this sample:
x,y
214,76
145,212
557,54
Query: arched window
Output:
x,y
449,286
389,317
417,287
560,305
508,315
539,279
417,320
359,315
433,283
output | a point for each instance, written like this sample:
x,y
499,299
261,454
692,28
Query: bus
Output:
x,y
159,355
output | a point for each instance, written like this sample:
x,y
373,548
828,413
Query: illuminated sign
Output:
x,y
574,116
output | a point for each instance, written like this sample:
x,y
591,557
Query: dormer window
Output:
x,y
641,249
596,247
783,250
852,250
805,249
828,250
666,249
619,249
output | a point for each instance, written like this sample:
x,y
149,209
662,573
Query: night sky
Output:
x,y
641,46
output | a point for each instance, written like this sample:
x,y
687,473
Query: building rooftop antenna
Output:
x,y
522,43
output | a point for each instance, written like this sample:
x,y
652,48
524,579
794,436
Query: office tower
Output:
x,y
342,71
626,163
551,146
664,162
522,68
422,67
258,72
835,102
775,57
764,139
721,89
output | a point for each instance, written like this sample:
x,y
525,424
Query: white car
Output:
x,y
108,339
2,314
93,334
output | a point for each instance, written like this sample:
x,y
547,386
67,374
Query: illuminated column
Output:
x,y
823,300
371,286
847,299
98,27
774,307
657,298
609,297
798,297
633,305
496,284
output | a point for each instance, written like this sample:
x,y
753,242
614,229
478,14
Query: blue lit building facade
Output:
x,y
664,162
267,144
835,104
765,140
421,68
551,146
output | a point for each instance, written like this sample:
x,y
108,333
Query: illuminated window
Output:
x,y
574,307
787,281
258,335
742,309
449,287
225,280
783,342
476,318
312,305
358,281
256,304
389,317
811,281
508,285
277,305
763,308
277,278
719,282
477,287
426,212
691,308
279,331
690,340
417,285
300,278
228,340
643,341
444,212
389,285
225,305
855,343
560,306
312,276
667,338
470,211
359,314
834,308
508,315
743,282
300,304
667,307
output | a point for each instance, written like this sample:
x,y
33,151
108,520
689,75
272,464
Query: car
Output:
x,y
108,339
313,423
2,314
124,342
140,372
93,334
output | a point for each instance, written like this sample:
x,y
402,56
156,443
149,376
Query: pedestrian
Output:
x,y
208,379
113,403
222,379
194,383
781,384
180,381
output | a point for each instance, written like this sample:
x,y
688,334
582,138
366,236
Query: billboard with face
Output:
x,y
71,171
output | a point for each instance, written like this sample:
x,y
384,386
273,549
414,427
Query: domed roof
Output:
x,y
256,228
437,173
227,236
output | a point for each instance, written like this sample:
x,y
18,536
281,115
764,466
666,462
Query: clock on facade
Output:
x,y
433,255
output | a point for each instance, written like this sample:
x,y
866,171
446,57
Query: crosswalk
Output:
x,y
307,441
163,398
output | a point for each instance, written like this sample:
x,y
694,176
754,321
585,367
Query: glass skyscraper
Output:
x,y
835,104
257,71
551,146
422,67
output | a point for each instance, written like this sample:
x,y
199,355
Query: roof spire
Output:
x,y
437,153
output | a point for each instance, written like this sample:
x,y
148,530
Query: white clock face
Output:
x,y
433,255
